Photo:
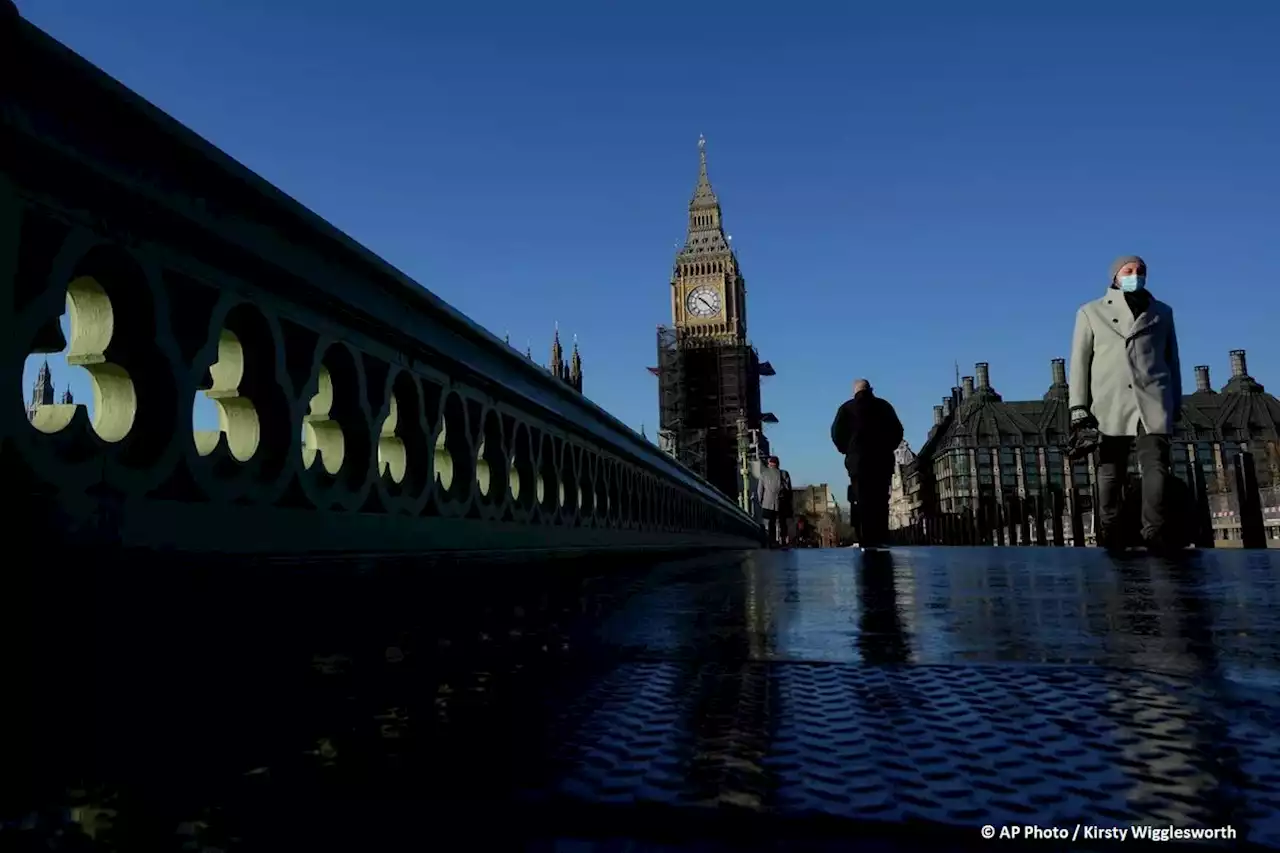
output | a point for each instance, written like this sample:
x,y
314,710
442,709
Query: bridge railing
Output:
x,y
1052,516
357,410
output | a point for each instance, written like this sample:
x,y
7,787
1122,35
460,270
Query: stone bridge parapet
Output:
x,y
357,411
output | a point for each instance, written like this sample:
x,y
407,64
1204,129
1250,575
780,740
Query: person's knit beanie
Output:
x,y
1121,261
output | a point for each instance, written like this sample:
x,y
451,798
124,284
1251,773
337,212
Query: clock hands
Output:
x,y
703,304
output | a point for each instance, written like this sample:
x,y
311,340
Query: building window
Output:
x,y
1053,462
1204,453
1008,468
1031,468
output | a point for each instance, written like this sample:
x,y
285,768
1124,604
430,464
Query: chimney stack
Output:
x,y
1059,371
946,407
966,385
1202,379
939,414
1238,365
984,374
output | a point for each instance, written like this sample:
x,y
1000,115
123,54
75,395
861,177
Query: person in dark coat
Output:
x,y
1126,383
867,431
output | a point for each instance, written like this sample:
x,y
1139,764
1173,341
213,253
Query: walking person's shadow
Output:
x,y
882,638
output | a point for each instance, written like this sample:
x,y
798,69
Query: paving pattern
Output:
x,y
898,699
951,686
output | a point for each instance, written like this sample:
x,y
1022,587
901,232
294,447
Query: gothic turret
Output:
x,y
569,372
557,356
575,367
41,391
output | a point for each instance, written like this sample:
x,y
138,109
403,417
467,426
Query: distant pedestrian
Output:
x,y
1126,383
769,496
867,431
802,531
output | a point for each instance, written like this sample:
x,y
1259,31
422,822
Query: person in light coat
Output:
x,y
769,496
1126,381
786,507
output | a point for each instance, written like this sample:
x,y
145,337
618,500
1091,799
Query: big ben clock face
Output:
x,y
703,301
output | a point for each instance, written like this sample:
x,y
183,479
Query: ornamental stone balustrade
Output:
x,y
356,410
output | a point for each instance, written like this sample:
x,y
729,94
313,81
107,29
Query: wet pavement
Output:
x,y
820,697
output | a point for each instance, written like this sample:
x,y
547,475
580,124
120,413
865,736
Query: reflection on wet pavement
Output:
x,y
295,705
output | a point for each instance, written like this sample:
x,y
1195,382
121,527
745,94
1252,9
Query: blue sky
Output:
x,y
907,185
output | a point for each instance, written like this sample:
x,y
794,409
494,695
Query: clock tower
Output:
x,y
709,416
708,293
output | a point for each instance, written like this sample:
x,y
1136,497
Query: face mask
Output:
x,y
1130,283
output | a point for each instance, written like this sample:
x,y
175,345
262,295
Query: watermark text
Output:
x,y
1092,832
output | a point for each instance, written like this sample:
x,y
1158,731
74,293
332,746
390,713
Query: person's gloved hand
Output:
x,y
1082,419
1085,436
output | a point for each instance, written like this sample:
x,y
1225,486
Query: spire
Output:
x,y
642,435
705,235
557,355
703,195
575,367
41,390
506,339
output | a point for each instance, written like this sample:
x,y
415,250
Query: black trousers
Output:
x,y
770,517
1113,475
869,503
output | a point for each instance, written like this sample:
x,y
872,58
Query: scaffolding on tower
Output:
x,y
707,390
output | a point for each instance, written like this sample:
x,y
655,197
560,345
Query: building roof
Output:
x,y
1243,410
904,455
984,419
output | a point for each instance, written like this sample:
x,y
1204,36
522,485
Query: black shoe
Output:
x,y
1112,541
